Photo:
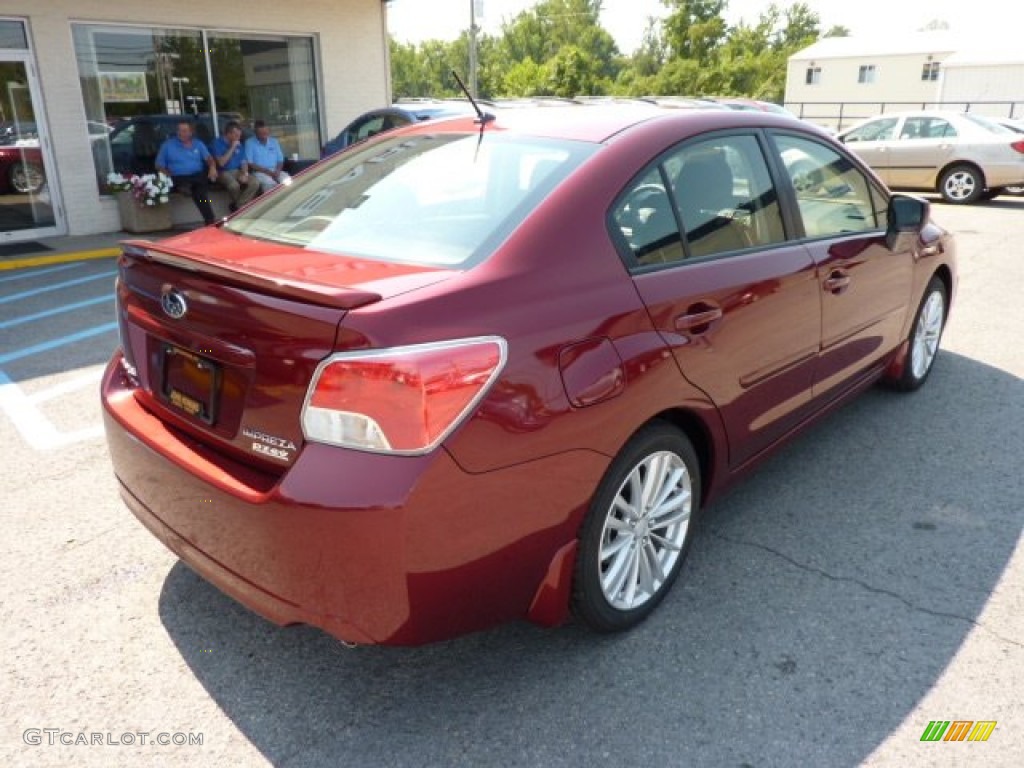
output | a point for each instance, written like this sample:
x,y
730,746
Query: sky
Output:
x,y
417,20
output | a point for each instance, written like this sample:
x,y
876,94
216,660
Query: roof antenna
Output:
x,y
481,117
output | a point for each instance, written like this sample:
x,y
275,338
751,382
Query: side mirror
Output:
x,y
906,217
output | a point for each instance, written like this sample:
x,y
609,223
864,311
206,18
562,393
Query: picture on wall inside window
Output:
x,y
123,86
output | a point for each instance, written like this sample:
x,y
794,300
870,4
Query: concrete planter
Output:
x,y
139,218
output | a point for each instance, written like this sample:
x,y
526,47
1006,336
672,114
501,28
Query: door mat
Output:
x,y
23,249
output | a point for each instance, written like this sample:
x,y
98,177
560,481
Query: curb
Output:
x,y
58,258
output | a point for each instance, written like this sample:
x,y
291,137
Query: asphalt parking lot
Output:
x,y
867,580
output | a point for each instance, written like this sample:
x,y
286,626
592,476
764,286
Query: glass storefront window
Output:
x,y
269,79
138,82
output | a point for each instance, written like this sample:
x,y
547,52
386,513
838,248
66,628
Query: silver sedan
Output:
x,y
962,156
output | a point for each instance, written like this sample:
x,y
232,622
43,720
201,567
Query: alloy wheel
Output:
x,y
927,334
644,530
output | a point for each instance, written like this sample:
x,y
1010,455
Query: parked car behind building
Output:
x,y
737,102
401,113
135,141
962,156
1017,126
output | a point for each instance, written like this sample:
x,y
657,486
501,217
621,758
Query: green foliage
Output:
x,y
695,29
526,78
559,48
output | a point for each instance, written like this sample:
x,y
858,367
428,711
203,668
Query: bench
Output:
x,y
184,211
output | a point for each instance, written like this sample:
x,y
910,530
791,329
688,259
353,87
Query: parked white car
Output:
x,y
962,156
1017,126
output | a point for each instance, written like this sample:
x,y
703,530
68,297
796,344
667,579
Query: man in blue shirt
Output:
x,y
234,169
265,158
189,163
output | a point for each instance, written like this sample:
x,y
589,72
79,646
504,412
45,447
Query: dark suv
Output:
x,y
135,141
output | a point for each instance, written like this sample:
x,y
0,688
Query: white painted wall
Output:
x,y
898,79
988,82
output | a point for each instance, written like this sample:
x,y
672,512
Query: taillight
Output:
x,y
127,357
403,399
1019,146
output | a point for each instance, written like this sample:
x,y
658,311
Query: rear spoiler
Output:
x,y
253,279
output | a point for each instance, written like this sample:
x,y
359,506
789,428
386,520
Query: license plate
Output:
x,y
191,383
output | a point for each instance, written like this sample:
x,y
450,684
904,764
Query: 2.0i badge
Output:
x,y
280,448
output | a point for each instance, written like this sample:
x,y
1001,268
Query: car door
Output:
x,y
737,304
864,286
924,146
873,142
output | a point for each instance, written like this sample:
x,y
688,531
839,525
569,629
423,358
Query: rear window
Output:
x,y
442,199
989,125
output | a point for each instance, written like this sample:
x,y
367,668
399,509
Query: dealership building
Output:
x,y
88,87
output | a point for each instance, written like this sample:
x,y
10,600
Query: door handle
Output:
x,y
837,282
693,321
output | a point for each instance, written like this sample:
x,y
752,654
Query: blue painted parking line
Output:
x,y
55,311
60,341
37,272
56,287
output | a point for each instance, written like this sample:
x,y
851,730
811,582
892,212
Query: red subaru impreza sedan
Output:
x,y
479,370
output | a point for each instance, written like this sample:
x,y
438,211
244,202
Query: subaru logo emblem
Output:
x,y
174,304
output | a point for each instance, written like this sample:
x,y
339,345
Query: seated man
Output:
x,y
234,170
265,158
189,163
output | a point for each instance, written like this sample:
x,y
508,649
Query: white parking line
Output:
x,y
90,379
38,272
49,287
53,311
37,430
61,341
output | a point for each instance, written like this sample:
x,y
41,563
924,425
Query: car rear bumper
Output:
x,y
370,548
1004,174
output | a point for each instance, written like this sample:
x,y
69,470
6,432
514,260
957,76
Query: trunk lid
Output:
x,y
224,333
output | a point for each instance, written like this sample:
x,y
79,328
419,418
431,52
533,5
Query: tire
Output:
x,y
961,184
631,550
26,178
925,335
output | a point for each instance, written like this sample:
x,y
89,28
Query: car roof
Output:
x,y
946,114
599,122
592,123
425,108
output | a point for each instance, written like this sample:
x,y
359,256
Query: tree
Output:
x,y
526,78
837,30
653,51
802,28
542,32
695,29
559,47
572,73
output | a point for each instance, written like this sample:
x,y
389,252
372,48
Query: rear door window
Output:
x,y
705,198
725,196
